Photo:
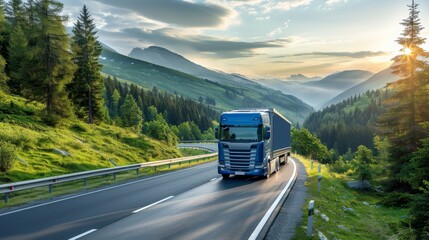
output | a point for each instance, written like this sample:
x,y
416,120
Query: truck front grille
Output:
x,y
240,159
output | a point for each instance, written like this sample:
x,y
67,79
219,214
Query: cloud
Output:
x,y
286,62
333,2
285,5
178,12
213,47
361,54
279,30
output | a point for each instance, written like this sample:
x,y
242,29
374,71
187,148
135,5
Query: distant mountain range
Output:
x,y
229,91
318,92
166,58
377,81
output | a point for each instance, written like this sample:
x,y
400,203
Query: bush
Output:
x,y
397,199
7,156
340,166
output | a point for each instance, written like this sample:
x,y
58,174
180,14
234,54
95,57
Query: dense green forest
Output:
x,y
180,113
350,123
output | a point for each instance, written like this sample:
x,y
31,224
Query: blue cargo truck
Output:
x,y
252,142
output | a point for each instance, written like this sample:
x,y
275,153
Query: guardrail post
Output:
x,y
50,188
155,168
319,168
85,183
6,197
137,171
169,165
319,182
189,162
310,218
114,177
312,163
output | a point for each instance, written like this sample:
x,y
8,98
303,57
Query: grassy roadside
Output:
x,y
42,193
367,220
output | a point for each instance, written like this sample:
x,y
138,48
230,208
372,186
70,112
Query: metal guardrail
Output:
x,y
50,181
199,141
198,147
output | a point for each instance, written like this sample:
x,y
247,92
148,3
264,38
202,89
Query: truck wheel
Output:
x,y
277,165
284,160
225,176
268,172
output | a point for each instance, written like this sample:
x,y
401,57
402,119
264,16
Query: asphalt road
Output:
x,y
187,204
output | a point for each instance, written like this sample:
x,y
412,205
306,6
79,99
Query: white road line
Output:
x,y
211,180
83,234
153,204
270,211
102,190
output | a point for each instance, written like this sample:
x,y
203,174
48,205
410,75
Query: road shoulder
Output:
x,y
290,215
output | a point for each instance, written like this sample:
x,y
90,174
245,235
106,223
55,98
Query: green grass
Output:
x,y
91,146
368,222
192,152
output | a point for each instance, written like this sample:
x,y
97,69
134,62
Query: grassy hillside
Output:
x,y
227,97
90,146
367,220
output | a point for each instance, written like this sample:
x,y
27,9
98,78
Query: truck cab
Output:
x,y
244,144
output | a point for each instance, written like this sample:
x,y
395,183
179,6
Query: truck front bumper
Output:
x,y
253,172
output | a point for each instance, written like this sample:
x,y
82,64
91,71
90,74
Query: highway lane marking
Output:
x,y
211,180
270,211
83,234
153,204
108,188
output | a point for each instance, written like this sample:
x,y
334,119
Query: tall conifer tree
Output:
x,y
50,66
402,121
18,44
3,76
86,89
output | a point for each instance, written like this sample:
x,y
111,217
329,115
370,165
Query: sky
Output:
x,y
258,38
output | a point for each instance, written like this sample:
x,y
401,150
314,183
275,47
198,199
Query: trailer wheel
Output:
x,y
225,176
278,165
284,160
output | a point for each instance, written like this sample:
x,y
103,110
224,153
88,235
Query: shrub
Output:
x,y
7,156
397,199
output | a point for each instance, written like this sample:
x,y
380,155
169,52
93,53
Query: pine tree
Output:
x,y
87,86
3,77
15,12
401,122
131,113
18,57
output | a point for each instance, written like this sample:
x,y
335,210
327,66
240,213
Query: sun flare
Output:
x,y
407,51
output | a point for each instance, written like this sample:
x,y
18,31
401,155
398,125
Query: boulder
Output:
x,y
61,152
359,184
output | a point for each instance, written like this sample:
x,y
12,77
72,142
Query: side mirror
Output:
x,y
267,133
217,133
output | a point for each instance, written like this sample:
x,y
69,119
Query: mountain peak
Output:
x,y
302,77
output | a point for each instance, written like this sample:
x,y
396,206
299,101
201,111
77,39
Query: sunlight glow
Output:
x,y
408,51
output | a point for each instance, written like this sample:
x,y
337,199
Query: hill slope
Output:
x,y
377,81
349,123
232,96
166,58
90,146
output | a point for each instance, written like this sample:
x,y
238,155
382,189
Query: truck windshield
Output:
x,y
241,134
